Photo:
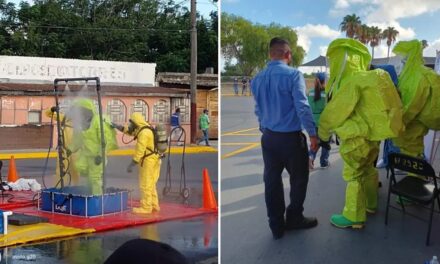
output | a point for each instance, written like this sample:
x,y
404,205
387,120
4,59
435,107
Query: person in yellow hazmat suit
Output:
x,y
419,88
86,143
148,161
363,108
69,160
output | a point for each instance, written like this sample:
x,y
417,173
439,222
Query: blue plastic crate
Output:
x,y
75,201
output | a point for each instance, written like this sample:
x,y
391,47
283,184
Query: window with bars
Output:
x,y
184,105
34,117
140,106
116,110
161,112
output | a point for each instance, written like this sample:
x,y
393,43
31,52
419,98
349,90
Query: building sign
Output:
x,y
47,69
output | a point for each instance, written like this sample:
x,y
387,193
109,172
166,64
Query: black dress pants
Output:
x,y
284,151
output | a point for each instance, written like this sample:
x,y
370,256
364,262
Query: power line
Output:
x,y
106,28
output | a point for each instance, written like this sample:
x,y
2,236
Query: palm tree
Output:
x,y
363,34
375,37
350,25
390,35
424,44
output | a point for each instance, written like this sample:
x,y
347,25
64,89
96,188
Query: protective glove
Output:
x,y
130,166
118,127
98,160
53,109
68,152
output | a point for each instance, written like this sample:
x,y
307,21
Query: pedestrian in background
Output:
x,y
204,126
235,86
243,87
317,101
176,129
282,109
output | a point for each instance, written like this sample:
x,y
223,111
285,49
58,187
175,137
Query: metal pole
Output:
x,y
193,71
60,136
101,124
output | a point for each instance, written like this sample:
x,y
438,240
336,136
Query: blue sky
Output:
x,y
317,21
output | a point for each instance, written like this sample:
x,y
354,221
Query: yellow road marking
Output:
x,y
237,143
242,135
239,131
241,150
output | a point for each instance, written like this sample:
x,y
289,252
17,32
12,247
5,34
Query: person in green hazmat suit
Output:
x,y
87,144
68,160
147,159
363,108
419,88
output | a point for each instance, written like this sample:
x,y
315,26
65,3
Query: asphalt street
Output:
x,y
245,235
196,238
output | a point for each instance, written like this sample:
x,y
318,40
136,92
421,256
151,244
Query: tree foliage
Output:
x,y
115,30
247,44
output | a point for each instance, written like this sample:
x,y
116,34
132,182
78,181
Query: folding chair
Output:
x,y
419,190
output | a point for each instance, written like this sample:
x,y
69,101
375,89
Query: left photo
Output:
x,y
108,131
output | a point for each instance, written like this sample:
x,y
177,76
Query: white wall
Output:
x,y
17,68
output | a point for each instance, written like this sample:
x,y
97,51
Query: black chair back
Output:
x,y
410,164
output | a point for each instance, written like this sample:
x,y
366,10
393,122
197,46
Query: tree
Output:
x,y
390,35
248,44
375,37
363,34
130,30
424,44
350,25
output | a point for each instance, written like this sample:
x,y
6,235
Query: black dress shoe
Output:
x,y
277,233
305,222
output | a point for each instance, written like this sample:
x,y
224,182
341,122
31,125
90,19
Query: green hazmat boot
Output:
x,y
342,222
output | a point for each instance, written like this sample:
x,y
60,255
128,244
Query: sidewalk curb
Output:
x,y
118,152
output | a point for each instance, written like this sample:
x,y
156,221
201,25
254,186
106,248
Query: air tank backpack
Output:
x,y
160,141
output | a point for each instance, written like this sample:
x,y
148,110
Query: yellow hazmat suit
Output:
x,y
148,163
87,142
419,87
69,161
363,109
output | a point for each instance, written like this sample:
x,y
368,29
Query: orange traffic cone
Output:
x,y
12,173
209,201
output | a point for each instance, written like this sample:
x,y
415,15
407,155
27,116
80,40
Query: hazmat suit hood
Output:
x,y
346,56
139,121
419,86
410,75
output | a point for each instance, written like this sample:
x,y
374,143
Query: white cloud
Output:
x,y
309,31
434,46
391,10
323,50
384,11
404,33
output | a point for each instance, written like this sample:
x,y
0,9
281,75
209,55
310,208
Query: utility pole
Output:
x,y
193,71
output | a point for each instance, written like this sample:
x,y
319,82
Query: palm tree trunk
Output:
x,y
372,52
389,46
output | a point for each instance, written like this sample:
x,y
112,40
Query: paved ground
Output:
x,y
246,238
196,238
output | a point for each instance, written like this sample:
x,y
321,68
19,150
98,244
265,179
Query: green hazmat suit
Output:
x,y
86,142
363,109
148,162
419,88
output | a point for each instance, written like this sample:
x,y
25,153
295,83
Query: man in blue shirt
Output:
x,y
282,109
176,129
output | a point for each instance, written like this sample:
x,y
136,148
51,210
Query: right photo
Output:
x,y
330,112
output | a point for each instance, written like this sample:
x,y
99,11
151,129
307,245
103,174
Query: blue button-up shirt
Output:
x,y
175,120
281,103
